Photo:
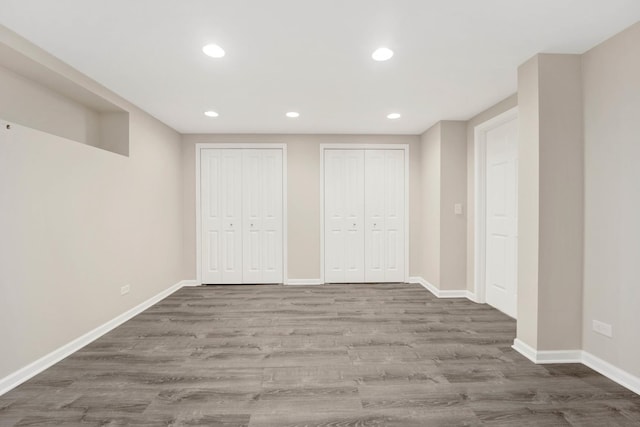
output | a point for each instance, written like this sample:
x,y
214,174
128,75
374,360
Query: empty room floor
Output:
x,y
334,355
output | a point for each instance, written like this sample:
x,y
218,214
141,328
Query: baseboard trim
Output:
x,y
189,283
547,356
614,373
610,371
462,293
13,380
300,282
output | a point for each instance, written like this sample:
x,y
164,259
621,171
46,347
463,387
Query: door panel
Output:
x,y
501,217
344,215
375,197
394,216
221,216
263,216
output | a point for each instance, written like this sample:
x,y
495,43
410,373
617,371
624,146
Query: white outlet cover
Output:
x,y
603,328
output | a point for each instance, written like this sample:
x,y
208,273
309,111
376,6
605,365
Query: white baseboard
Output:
x,y
547,356
610,371
614,373
189,283
462,293
18,377
304,282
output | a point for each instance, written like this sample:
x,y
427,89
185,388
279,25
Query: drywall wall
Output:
x,y
611,90
551,209
37,107
443,180
528,201
488,114
561,193
453,234
303,189
78,222
430,209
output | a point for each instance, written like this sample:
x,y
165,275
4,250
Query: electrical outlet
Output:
x,y
457,208
125,289
603,328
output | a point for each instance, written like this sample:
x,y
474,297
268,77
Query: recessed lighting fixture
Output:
x,y
293,114
213,50
393,116
211,114
382,54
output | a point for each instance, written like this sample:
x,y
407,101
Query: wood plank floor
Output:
x,y
336,356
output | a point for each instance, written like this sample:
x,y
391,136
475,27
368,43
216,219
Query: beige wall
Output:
x,y
551,209
488,114
77,223
453,235
443,184
303,172
430,209
611,84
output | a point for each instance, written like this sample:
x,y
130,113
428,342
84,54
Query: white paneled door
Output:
x,y
501,216
221,202
262,213
364,199
344,215
241,216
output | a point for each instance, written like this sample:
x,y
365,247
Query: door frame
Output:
x,y
338,146
239,146
480,198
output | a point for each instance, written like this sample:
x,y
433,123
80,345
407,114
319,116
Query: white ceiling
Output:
x,y
453,58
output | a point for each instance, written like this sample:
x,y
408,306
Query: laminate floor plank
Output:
x,y
335,355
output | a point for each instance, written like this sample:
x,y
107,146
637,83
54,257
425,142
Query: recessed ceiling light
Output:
x,y
211,114
382,54
213,50
393,116
293,114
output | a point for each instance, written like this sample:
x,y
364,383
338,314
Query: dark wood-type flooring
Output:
x,y
336,356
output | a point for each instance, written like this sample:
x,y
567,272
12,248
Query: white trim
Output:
x,y
21,375
612,372
285,221
294,282
190,283
480,190
457,293
546,356
603,367
405,148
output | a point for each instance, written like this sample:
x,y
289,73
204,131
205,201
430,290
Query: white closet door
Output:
x,y
385,213
221,186
344,215
501,216
262,216
375,213
394,216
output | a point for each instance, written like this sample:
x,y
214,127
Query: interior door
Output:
x,y
394,216
344,215
221,215
384,216
263,217
501,217
375,215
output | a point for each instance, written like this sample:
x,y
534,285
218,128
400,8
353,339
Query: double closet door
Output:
x,y
364,215
241,216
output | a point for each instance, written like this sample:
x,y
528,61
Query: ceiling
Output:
x,y
453,58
